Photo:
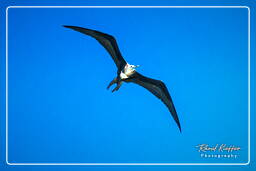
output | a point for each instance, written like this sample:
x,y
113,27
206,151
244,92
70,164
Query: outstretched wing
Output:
x,y
159,89
107,41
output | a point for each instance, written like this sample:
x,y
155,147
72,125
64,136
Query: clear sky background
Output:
x,y
60,110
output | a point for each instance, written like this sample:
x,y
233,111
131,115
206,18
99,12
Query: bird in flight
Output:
x,y
127,73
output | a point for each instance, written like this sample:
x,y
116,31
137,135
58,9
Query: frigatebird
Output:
x,y
127,73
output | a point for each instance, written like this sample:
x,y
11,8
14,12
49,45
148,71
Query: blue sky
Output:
x,y
60,110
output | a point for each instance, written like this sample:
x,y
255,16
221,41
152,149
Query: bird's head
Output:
x,y
134,66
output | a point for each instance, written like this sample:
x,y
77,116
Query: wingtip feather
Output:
x,y
67,26
180,128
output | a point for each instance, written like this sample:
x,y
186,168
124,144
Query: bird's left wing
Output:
x,y
159,89
107,41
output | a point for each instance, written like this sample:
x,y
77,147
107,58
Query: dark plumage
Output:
x,y
127,73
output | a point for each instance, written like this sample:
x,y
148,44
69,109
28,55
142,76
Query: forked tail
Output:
x,y
115,81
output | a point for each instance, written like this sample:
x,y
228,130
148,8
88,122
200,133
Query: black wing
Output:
x,y
159,89
107,41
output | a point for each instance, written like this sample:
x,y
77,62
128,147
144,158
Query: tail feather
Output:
x,y
112,82
117,87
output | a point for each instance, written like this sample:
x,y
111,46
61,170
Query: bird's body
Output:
x,y
123,75
127,73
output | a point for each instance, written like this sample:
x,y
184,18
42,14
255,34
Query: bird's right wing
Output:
x,y
107,41
157,88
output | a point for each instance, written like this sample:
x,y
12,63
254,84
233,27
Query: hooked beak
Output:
x,y
136,66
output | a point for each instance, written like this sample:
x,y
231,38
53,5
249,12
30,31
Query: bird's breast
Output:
x,y
126,74
123,75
